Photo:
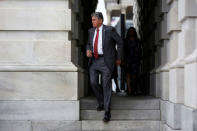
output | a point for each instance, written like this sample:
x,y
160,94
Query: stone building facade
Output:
x,y
41,63
43,66
168,29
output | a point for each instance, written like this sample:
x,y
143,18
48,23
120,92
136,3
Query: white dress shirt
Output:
x,y
100,46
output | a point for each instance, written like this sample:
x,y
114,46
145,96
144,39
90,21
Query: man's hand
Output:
x,y
118,62
89,53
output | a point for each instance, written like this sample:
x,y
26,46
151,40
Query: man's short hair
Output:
x,y
99,15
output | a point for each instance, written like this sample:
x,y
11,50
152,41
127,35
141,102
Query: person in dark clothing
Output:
x,y
132,60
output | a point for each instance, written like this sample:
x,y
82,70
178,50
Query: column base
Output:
x,y
189,119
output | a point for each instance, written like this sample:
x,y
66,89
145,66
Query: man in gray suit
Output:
x,y
102,53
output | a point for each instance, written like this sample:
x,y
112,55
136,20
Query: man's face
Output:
x,y
96,22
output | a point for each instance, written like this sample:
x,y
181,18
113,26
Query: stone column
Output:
x,y
77,45
161,42
136,11
162,71
109,16
176,93
39,83
188,38
175,72
123,10
172,27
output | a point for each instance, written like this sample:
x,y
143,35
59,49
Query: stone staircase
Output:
x,y
128,113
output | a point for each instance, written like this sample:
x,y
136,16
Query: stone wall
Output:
x,y
41,63
170,58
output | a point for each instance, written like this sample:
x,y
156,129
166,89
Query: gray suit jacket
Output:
x,y
110,39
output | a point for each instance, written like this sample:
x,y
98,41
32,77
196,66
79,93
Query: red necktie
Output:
x,y
96,44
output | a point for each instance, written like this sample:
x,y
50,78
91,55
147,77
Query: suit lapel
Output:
x,y
92,37
103,35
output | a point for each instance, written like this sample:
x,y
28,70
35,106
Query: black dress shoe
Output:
x,y
99,108
107,117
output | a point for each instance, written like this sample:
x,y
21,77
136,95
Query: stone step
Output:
x,y
136,125
122,115
123,103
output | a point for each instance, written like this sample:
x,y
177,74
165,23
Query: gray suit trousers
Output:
x,y
102,93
